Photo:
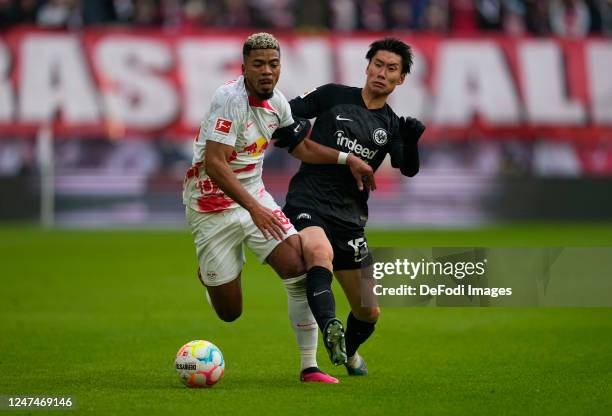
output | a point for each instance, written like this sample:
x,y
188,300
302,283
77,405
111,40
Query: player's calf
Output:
x,y
358,330
228,314
359,327
320,297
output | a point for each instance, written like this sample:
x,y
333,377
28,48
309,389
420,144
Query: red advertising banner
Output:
x,y
128,83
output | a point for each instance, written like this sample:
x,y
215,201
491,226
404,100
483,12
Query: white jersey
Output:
x,y
247,124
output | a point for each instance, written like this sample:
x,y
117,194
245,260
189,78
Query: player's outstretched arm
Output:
x,y
310,151
293,137
404,150
217,155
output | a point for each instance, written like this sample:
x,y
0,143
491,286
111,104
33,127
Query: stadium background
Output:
x,y
99,102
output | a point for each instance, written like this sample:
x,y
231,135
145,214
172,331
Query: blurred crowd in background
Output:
x,y
572,18
479,179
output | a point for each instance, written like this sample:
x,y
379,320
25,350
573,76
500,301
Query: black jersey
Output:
x,y
344,123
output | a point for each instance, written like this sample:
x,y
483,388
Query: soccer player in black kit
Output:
x,y
326,205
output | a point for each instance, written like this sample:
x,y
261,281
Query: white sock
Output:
x,y
354,361
302,321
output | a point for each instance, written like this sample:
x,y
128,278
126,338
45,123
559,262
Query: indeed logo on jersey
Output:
x,y
353,146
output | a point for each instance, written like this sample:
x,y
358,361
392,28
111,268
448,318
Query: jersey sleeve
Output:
x,y
313,102
227,113
286,119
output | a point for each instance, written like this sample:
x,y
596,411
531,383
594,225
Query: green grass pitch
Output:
x,y
99,315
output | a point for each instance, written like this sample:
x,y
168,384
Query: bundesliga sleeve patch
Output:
x,y
223,125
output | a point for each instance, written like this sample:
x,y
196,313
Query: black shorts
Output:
x,y
348,240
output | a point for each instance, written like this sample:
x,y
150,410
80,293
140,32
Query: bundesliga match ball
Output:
x,y
199,364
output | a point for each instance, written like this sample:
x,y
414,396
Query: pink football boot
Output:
x,y
313,374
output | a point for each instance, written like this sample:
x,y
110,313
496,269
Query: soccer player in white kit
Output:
x,y
227,204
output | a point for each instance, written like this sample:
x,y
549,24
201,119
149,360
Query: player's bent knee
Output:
x,y
287,260
323,256
292,266
226,300
319,255
228,315
295,269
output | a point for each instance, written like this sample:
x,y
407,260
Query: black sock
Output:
x,y
357,332
320,296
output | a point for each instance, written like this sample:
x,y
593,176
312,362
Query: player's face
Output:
x,y
384,73
261,69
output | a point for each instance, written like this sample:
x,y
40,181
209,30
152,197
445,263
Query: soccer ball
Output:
x,y
199,364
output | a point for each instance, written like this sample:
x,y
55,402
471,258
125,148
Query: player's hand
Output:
x,y
268,222
362,172
410,129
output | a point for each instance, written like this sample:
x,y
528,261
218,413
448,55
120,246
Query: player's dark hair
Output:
x,y
393,45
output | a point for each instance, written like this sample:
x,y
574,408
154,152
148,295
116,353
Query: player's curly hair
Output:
x,y
393,45
260,40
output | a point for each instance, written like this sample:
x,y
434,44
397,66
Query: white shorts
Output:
x,y
219,238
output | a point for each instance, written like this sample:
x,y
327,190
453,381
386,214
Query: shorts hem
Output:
x,y
215,283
